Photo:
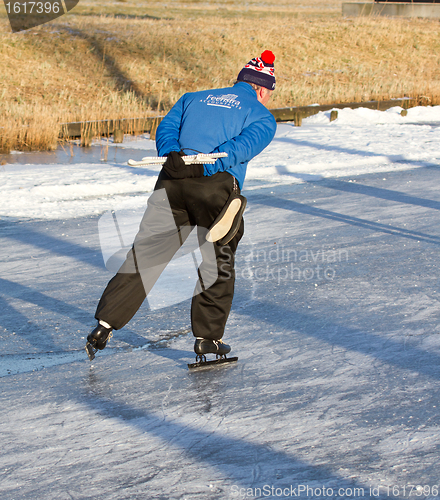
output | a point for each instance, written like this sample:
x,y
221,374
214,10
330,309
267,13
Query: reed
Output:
x,y
94,64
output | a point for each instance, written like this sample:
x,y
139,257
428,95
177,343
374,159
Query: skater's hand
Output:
x,y
175,167
174,164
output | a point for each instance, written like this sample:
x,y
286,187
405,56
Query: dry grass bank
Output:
x,y
96,64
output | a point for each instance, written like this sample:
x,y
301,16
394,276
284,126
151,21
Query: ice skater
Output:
x,y
231,120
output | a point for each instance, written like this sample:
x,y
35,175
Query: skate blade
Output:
x,y
224,225
220,361
90,351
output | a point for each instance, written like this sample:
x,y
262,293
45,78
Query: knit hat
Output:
x,y
260,71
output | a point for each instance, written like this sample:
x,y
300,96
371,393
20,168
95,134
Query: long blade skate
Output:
x,y
201,158
90,350
201,361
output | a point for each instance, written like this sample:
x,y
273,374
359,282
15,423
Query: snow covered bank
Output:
x,y
360,141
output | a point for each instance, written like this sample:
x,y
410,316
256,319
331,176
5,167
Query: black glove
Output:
x,y
175,167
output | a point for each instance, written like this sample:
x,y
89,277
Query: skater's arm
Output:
x,y
168,131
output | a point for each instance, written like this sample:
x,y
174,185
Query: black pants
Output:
x,y
166,224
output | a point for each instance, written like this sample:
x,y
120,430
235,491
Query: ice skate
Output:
x,y
97,340
227,224
207,346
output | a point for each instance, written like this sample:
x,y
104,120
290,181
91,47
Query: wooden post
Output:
x,y
118,136
86,138
333,115
298,119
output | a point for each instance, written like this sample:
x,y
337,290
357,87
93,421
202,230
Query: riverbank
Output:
x,y
94,64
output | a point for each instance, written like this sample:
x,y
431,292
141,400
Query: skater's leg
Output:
x,y
162,232
121,299
211,306
212,301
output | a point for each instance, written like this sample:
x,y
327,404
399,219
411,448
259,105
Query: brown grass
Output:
x,y
92,64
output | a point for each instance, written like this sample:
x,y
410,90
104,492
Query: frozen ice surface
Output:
x,y
335,323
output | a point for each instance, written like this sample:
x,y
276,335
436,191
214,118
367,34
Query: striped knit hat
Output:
x,y
260,71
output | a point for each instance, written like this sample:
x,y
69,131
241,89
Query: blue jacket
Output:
x,y
229,120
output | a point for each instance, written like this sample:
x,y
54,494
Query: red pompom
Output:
x,y
268,57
